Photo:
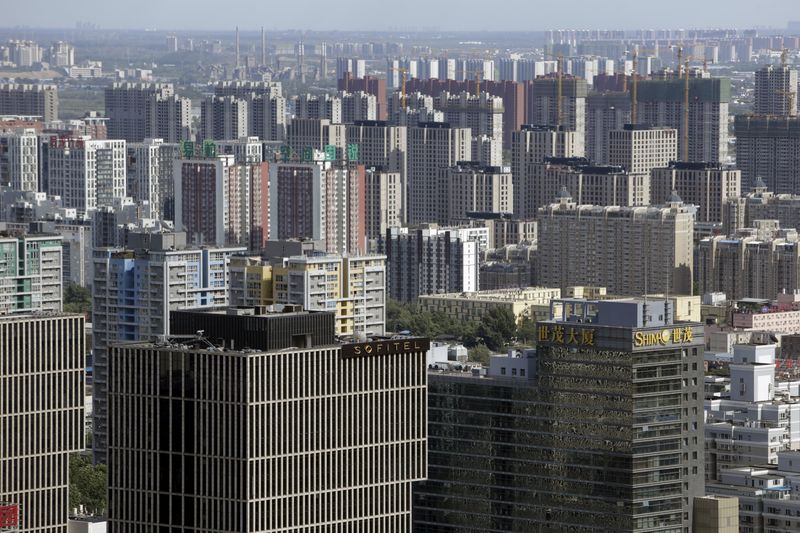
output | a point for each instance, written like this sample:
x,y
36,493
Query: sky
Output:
x,y
349,15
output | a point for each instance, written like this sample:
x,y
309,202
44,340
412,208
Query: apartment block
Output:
x,y
85,173
706,185
19,160
591,245
766,147
605,112
432,146
431,260
31,269
29,100
139,111
640,149
593,184
133,291
223,117
149,177
384,205
529,146
471,187
319,200
776,91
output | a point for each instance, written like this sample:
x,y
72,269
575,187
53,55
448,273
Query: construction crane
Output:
x,y
478,77
403,71
634,80
790,95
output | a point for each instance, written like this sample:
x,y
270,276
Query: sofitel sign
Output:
x,y
391,347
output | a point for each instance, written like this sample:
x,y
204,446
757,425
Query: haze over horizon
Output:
x,y
354,15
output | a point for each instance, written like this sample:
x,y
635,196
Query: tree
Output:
x,y
497,328
77,299
526,330
88,484
479,354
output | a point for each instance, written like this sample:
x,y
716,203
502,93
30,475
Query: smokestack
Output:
x,y
237,46
263,48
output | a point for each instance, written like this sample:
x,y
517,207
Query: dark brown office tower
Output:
x,y
369,85
41,417
512,93
275,426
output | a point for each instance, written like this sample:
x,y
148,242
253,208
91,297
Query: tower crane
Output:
x,y
403,71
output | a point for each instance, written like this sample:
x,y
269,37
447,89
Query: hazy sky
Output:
x,y
387,14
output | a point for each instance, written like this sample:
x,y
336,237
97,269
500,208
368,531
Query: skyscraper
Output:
x,y
469,187
569,111
41,416
266,106
133,291
639,149
315,444
599,428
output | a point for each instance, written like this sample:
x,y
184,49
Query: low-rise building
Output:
x,y
530,302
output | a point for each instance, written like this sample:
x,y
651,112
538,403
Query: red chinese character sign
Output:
x,y
9,516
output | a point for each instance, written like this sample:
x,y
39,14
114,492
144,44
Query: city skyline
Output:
x,y
355,15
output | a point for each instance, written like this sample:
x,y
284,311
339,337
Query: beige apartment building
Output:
x,y
533,302
706,185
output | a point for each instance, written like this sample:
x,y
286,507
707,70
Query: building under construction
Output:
x,y
767,148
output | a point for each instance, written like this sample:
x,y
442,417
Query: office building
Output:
x,y
85,173
599,428
432,146
591,245
431,260
223,117
319,200
384,203
757,262
776,91
594,184
317,453
133,291
469,187
19,160
30,274
661,103
707,185
41,418
531,145
766,148
29,100
149,177
639,149
605,112
139,111
221,202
